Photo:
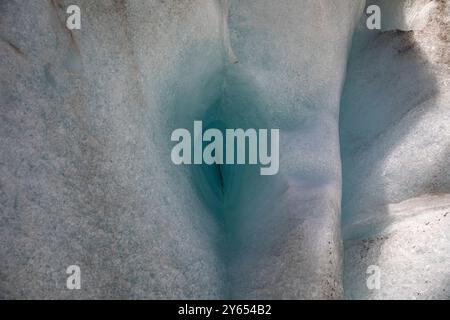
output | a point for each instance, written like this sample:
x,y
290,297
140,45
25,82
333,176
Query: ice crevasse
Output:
x,y
85,170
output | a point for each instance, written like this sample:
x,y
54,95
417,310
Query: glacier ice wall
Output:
x,y
285,234
85,171
86,176
395,144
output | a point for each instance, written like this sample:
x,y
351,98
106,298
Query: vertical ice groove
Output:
x,y
224,6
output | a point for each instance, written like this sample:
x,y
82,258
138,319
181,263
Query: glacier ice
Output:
x,y
395,152
85,170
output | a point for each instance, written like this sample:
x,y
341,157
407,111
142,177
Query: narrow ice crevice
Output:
x,y
273,224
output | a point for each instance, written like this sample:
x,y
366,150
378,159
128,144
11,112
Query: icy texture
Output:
x,y
395,143
285,235
85,126
412,251
86,175
405,15
85,170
